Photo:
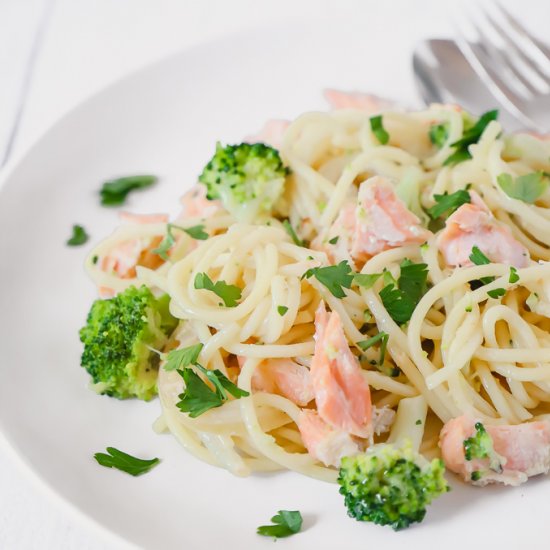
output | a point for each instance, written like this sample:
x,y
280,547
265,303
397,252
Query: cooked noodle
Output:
x,y
465,352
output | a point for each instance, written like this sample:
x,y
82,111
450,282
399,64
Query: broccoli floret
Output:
x,y
247,178
480,446
390,485
119,338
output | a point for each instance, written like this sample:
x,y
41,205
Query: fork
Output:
x,y
513,64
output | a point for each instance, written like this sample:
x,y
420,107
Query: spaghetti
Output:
x,y
479,351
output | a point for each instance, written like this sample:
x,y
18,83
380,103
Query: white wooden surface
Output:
x,y
86,44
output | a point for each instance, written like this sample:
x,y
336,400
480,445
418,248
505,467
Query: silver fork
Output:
x,y
513,64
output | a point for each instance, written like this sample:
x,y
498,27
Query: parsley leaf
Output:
x,y
230,294
470,137
334,277
397,303
221,383
514,277
366,280
447,204
290,230
114,192
196,232
179,358
381,337
125,462
401,297
286,523
496,293
412,279
282,310
527,188
377,127
198,397
478,258
439,133
78,237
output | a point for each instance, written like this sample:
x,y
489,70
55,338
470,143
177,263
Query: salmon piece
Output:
x,y
125,257
129,217
378,221
524,449
284,377
271,133
341,392
474,225
196,205
383,220
323,442
357,100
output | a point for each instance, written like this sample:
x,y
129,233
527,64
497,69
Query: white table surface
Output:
x,y
85,45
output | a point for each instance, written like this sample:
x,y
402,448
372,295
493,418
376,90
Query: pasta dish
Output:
x,y
357,287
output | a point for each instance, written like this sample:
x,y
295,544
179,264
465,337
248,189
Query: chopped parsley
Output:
x,y
334,240
79,236
446,204
439,133
334,277
381,337
366,280
285,522
514,277
198,397
290,230
401,297
527,188
281,310
114,192
377,127
476,476
469,137
125,462
196,232
496,293
230,294
478,258
418,422
180,358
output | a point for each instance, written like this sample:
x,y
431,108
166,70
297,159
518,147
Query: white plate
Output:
x,y
165,120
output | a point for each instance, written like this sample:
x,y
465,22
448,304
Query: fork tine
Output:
x,y
543,60
514,58
526,59
482,65
500,64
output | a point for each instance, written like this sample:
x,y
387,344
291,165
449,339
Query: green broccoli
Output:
x,y
391,483
120,339
480,446
247,178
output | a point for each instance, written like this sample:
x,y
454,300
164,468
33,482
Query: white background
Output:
x,y
82,46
